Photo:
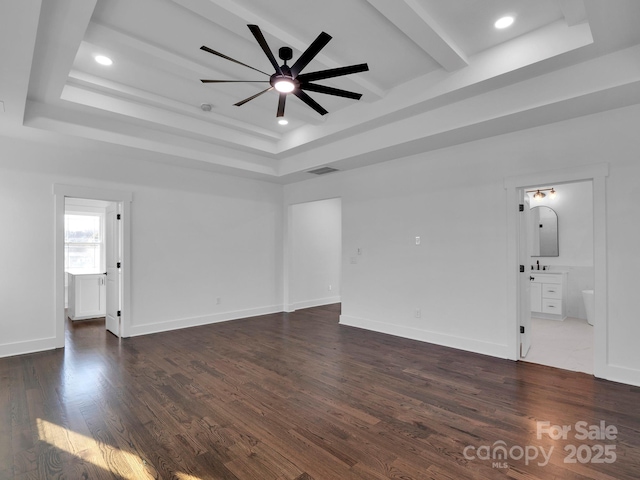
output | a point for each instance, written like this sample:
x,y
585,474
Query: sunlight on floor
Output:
x,y
89,451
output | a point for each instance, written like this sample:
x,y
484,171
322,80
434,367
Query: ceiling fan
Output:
x,y
288,79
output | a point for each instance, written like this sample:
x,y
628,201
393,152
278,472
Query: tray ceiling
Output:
x,y
440,74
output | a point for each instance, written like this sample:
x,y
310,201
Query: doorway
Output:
x,y
114,254
85,247
314,254
558,220
518,260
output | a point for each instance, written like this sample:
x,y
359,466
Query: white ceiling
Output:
x,y
440,74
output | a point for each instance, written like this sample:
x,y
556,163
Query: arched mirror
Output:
x,y
545,232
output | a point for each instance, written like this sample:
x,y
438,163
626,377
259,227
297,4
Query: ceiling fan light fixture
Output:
x,y
284,85
287,79
503,22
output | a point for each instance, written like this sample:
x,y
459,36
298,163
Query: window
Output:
x,y
83,242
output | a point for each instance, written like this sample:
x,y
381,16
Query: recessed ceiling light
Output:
x,y
102,60
503,22
283,121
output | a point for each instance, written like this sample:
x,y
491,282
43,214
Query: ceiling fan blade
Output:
x,y
222,55
309,54
333,72
265,47
242,102
234,81
309,101
312,87
281,102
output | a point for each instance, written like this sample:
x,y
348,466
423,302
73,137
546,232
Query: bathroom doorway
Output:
x,y
519,268
559,230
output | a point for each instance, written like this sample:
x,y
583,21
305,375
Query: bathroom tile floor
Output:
x,y
566,344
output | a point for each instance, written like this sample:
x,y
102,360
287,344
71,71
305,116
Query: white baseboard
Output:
x,y
460,343
615,373
146,329
318,302
29,346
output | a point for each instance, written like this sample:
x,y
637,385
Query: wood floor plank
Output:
x,y
6,456
295,396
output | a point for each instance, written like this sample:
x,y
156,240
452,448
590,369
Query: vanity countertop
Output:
x,y
551,272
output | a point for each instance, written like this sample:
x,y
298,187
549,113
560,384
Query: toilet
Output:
x,y
588,297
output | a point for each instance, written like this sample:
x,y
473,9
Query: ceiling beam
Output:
x,y
414,21
59,37
18,27
112,93
143,136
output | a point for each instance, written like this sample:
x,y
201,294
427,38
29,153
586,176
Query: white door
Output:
x,y
524,256
113,259
536,296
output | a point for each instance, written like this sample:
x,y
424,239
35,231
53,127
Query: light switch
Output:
x,y
417,240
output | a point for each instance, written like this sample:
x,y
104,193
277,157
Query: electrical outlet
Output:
x,y
330,287
418,313
417,240
218,301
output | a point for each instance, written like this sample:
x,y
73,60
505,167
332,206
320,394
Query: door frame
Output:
x,y
597,175
288,260
524,288
124,198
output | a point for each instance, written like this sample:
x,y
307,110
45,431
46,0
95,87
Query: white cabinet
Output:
x,y
87,296
548,291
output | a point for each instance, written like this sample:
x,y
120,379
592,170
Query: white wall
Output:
x,y
196,237
315,253
574,207
199,236
455,200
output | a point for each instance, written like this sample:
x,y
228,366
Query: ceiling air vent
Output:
x,y
323,170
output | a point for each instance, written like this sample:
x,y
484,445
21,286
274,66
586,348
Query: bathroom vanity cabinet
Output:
x,y
87,296
548,292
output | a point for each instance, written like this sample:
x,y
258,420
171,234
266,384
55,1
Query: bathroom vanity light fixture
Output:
x,y
539,195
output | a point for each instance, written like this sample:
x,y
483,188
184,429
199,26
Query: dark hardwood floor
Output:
x,y
296,396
